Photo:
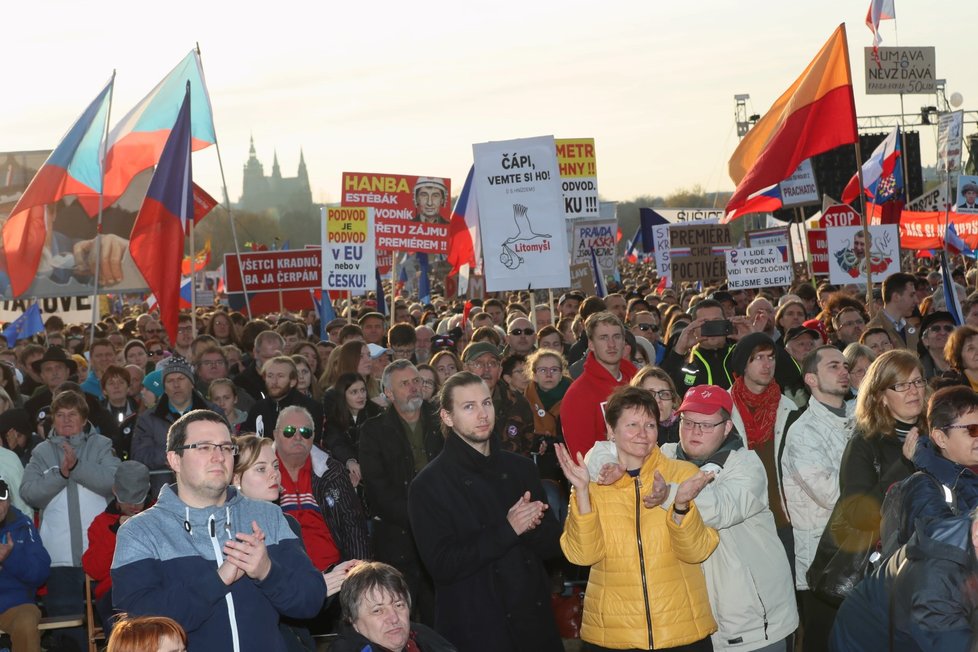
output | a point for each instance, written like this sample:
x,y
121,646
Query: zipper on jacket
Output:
x,y
761,601
219,559
641,556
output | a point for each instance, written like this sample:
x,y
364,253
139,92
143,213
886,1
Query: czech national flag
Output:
x,y
765,200
136,142
73,168
157,237
464,238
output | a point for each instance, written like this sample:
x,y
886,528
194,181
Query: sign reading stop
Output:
x,y
839,215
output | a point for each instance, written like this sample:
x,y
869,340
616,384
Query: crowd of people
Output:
x,y
775,469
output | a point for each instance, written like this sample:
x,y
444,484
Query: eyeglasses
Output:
x,y
648,327
941,328
154,353
705,428
664,395
289,432
971,428
207,448
548,371
479,366
919,383
521,331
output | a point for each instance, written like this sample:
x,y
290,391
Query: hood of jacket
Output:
x,y
192,518
928,458
948,539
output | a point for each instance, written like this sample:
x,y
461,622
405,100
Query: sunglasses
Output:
x,y
648,327
941,328
289,432
153,354
521,331
971,428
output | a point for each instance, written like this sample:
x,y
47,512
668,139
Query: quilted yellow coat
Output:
x,y
613,538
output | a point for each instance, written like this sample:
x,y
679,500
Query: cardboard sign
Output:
x,y
349,259
73,310
582,278
598,235
578,176
901,71
850,253
800,189
697,252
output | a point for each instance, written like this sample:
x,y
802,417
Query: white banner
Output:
x,y
73,310
849,252
935,200
349,256
600,236
758,267
950,129
681,215
660,236
521,214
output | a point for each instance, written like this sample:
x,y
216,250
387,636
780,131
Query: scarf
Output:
x,y
550,396
758,411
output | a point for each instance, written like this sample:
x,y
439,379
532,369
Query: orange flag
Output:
x,y
816,114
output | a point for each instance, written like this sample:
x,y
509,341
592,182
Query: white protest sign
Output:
x,y
598,235
73,310
800,188
901,71
680,215
349,256
660,236
849,253
950,129
521,214
758,267
935,200
776,237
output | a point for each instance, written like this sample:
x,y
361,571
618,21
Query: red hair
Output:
x,y
143,633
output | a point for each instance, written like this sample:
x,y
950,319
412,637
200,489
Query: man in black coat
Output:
x,y
393,447
479,517
280,376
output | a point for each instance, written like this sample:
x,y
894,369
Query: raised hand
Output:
x,y
659,493
910,443
575,472
249,553
691,488
610,473
334,578
69,460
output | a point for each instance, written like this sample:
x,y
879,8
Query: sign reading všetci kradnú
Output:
x,y
758,267
349,255
521,214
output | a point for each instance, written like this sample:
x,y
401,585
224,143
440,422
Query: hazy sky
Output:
x,y
408,87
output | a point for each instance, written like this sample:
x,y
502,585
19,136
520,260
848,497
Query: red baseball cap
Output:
x,y
706,399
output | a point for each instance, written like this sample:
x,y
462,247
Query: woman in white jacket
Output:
x,y
747,576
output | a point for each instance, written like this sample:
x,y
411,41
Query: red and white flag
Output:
x,y
879,10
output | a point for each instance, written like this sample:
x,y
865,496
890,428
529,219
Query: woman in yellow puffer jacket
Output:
x,y
646,590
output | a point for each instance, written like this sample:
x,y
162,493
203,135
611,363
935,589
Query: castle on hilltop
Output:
x,y
275,195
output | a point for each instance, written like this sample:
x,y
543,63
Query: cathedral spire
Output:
x,y
276,172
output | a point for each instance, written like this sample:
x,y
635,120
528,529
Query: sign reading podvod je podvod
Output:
x,y
349,255
758,267
410,213
850,252
521,214
578,176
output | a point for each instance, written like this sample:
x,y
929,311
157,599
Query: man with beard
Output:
x,y
224,567
810,463
513,417
480,520
280,376
393,448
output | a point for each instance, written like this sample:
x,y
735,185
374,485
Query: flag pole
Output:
x,y
227,203
859,172
98,223
193,279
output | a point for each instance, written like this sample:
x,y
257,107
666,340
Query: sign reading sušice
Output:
x,y
758,267
901,70
411,213
349,255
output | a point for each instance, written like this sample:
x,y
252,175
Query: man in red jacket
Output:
x,y
582,410
131,490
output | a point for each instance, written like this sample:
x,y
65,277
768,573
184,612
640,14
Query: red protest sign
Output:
x,y
839,215
271,271
818,245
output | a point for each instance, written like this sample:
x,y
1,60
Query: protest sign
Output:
x,y
935,200
349,261
776,237
950,130
411,213
73,310
849,253
521,214
818,247
680,215
271,271
900,71
967,201
660,238
598,235
839,215
800,189
758,267
697,252
578,176
925,230
582,278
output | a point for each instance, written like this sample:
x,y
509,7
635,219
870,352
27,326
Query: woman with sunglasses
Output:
x,y
935,331
945,484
